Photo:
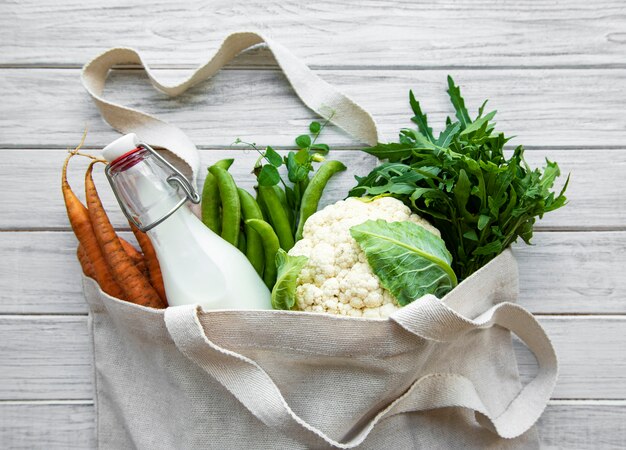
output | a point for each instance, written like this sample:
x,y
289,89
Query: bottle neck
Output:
x,y
142,183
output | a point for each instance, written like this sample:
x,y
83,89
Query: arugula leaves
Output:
x,y
461,181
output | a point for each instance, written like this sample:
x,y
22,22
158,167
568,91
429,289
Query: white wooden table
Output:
x,y
556,71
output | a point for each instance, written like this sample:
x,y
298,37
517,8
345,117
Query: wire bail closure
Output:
x,y
177,178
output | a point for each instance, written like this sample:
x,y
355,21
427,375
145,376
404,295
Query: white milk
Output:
x,y
198,266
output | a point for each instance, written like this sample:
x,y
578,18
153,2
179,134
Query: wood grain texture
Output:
x,y
582,425
353,33
554,70
564,272
45,357
540,107
62,426
49,357
29,181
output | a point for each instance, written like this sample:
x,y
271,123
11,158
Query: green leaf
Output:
x,y
447,135
315,127
303,141
478,124
483,220
459,104
481,109
274,158
471,235
296,171
420,118
288,268
268,176
489,249
393,151
409,260
320,148
302,157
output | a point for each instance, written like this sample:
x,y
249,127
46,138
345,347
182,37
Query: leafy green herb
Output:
x,y
409,260
479,199
284,291
299,165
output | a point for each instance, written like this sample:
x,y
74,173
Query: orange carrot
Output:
x,y
154,269
134,283
81,224
135,256
84,262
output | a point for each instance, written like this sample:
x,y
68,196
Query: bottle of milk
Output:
x,y
198,266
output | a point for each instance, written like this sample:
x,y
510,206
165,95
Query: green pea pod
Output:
x,y
313,193
254,248
231,208
211,203
225,163
270,248
283,200
262,206
241,244
279,217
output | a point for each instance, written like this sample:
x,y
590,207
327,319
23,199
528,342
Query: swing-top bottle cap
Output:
x,y
148,188
121,147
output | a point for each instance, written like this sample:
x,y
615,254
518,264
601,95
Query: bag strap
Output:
x,y
432,320
435,321
324,99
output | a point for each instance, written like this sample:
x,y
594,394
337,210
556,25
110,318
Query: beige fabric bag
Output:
x,y
437,374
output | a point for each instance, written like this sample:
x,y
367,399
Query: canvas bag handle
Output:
x,y
314,92
428,318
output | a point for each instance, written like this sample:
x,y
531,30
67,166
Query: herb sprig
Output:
x,y
463,183
299,165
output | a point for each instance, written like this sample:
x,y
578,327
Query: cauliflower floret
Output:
x,y
337,278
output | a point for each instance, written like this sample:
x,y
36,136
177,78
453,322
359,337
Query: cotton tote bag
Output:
x,y
436,374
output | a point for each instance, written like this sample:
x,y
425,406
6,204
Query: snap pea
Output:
x,y
270,248
241,245
261,203
231,208
283,200
313,193
225,163
254,249
279,217
211,199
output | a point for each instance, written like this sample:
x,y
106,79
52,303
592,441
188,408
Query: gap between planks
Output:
x,y
354,67
336,148
551,402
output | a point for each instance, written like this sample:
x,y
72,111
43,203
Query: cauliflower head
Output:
x,y
337,278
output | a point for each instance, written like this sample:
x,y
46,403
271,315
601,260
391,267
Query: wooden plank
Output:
x,y
41,274
323,33
29,180
573,272
541,108
584,425
67,425
564,272
49,357
45,357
